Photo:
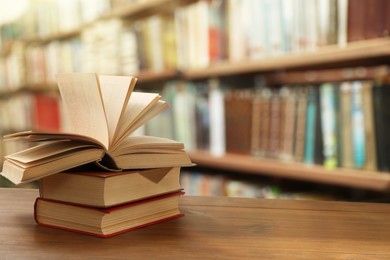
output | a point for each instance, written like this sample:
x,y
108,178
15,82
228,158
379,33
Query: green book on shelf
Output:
x,y
329,124
104,111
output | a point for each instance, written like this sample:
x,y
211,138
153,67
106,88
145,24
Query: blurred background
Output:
x,y
272,98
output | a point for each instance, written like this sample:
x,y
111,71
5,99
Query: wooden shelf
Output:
x,y
128,11
354,178
334,56
155,76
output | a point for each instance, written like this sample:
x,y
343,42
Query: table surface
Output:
x,y
214,227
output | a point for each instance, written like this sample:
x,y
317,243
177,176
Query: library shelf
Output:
x,y
353,178
131,10
147,76
353,54
144,8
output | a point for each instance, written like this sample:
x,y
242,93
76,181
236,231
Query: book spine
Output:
x,y
310,126
346,124
369,127
328,121
358,125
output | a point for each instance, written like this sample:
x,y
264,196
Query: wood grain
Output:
x,y
213,228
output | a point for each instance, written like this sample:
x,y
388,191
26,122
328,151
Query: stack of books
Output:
x,y
99,179
103,204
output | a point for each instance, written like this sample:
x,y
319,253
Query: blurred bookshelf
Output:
x,y
228,69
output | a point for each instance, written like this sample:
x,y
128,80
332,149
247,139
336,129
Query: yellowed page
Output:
x,y
147,144
116,91
154,110
139,103
45,152
83,103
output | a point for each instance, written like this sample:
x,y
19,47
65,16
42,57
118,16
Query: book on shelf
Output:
x,y
369,126
346,124
106,222
46,113
104,111
358,134
104,189
238,120
329,124
310,128
300,133
381,95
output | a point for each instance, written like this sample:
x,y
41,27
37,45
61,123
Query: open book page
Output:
x,y
140,104
44,153
144,144
31,136
116,91
83,103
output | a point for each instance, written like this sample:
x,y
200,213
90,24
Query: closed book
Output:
x,y
288,94
274,125
300,132
358,136
310,131
369,126
356,23
329,125
106,222
46,113
346,125
238,120
381,96
106,189
265,120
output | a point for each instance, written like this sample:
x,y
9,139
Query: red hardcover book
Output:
x,y
106,222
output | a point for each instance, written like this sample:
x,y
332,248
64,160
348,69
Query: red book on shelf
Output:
x,y
46,113
106,222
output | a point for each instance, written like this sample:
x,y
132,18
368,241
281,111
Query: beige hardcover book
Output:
x,y
106,189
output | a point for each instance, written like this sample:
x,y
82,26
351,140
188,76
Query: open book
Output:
x,y
104,111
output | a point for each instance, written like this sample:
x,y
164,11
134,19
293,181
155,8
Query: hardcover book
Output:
x,y
104,111
107,189
106,222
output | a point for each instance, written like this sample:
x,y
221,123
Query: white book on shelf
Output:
x,y
181,31
155,42
202,34
236,37
184,115
217,119
342,21
254,30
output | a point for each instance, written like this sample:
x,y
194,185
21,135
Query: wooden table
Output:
x,y
215,228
